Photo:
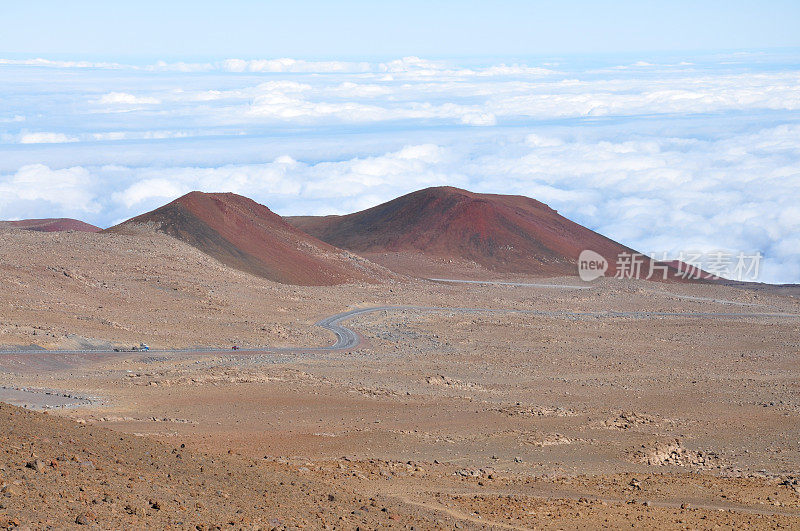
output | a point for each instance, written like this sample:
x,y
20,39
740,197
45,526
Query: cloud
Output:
x,y
62,64
293,65
105,136
46,138
124,98
148,189
414,88
283,176
135,135
477,97
69,190
411,66
704,94
296,102
478,118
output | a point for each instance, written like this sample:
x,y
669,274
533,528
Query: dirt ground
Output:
x,y
628,403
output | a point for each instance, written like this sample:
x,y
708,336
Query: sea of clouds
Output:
x,y
665,154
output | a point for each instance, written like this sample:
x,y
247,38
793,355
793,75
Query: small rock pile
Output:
x,y
674,453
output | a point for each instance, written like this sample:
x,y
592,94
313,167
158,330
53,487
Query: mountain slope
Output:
x,y
50,225
502,233
248,236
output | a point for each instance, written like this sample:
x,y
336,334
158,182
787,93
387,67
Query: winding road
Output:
x,y
347,338
42,361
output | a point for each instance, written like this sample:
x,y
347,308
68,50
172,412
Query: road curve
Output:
x,y
345,337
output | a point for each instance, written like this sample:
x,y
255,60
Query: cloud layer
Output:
x,y
665,156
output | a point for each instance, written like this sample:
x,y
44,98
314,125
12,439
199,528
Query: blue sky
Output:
x,y
212,29
666,126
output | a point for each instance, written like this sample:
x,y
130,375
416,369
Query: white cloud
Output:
x,y
419,89
464,97
293,65
780,91
124,98
61,64
289,101
412,63
147,189
513,70
68,190
62,138
136,135
478,118
535,140
350,89
408,66
46,138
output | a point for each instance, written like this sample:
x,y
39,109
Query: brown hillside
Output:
x,y
246,235
502,233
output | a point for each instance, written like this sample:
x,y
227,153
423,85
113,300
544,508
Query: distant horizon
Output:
x,y
139,59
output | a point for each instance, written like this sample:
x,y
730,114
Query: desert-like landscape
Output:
x,y
212,365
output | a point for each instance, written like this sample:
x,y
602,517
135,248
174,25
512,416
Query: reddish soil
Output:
x,y
56,474
248,236
502,233
50,225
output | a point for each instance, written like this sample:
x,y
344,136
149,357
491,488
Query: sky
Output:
x,y
668,126
433,28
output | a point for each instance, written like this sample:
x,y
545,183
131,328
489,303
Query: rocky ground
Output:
x,y
56,473
556,414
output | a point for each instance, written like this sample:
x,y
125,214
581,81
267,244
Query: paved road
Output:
x,y
524,284
347,338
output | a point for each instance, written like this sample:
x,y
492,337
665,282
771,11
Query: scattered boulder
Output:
x,y
36,465
85,518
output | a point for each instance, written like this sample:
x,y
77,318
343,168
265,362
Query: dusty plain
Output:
x,y
656,405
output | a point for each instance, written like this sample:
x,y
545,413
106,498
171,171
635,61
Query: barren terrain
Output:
x,y
473,405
